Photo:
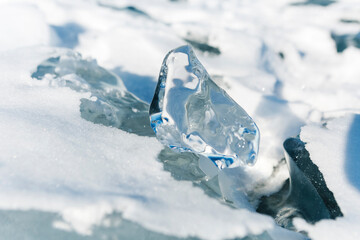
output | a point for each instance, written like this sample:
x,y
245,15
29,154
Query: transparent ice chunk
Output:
x,y
110,104
190,113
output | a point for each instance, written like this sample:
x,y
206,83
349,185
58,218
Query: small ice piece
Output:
x,y
190,113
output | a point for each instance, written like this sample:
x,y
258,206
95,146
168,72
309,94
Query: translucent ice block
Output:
x,y
190,113
111,104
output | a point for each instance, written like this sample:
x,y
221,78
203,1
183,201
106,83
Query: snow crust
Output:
x,y
277,60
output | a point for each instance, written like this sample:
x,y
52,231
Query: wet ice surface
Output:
x,y
277,60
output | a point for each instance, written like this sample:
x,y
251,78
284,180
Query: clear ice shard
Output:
x,y
190,113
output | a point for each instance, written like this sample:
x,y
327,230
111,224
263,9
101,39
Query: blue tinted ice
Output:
x,y
190,113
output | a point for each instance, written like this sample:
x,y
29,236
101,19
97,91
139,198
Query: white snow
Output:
x,y
23,25
52,160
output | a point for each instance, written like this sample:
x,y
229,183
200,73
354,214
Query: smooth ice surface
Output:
x,y
189,112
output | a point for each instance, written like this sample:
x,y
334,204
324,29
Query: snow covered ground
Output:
x,y
294,66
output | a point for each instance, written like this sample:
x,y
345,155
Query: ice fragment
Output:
x,y
190,113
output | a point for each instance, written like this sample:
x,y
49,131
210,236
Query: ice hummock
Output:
x,y
190,113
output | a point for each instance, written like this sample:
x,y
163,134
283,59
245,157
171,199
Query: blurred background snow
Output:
x,y
293,65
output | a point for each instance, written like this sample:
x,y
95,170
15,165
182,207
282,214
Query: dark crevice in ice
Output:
x,y
129,8
273,205
281,55
304,195
203,47
323,3
343,41
349,21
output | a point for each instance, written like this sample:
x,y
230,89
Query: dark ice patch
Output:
x,y
281,55
343,41
130,9
323,3
350,21
203,47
